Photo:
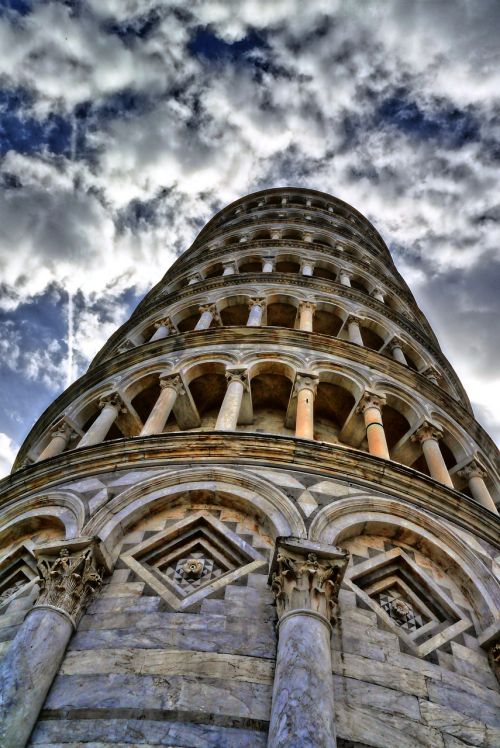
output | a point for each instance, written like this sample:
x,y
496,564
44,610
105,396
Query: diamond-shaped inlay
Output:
x,y
192,559
407,600
17,570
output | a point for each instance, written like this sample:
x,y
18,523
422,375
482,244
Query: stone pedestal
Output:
x,y
68,581
305,579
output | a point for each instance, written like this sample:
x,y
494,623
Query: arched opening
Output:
x,y
287,266
231,240
189,322
371,339
332,405
322,272
281,314
214,271
234,315
326,323
208,390
358,285
322,241
395,425
251,265
261,235
270,396
292,234
114,432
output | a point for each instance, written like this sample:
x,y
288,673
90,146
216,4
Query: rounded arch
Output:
x,y
59,509
257,495
347,518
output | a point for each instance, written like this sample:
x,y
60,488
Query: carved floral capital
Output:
x,y
174,382
371,400
306,576
427,431
113,400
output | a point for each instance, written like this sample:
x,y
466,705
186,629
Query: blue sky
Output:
x,y
125,124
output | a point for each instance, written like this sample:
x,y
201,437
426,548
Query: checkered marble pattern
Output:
x,y
401,609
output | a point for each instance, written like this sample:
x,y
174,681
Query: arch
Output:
x,y
352,516
256,494
60,509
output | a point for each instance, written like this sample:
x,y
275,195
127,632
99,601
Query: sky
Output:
x,y
126,124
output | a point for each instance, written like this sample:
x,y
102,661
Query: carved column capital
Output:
x,y
395,343
353,318
306,576
306,263
307,305
256,301
173,381
473,470
276,234
307,237
211,309
114,400
432,374
371,400
425,431
165,322
237,375
63,430
70,576
305,381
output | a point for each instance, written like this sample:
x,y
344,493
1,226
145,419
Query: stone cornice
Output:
x,y
262,336
250,449
287,279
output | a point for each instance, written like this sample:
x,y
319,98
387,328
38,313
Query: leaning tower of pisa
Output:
x,y
265,516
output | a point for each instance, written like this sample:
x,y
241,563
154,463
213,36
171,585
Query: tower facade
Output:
x,y
264,516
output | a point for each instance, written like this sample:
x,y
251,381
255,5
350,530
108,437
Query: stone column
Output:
x,y
307,267
345,278
378,294
59,441
474,474
163,329
431,375
256,307
305,388
305,580
171,386
353,330
268,265
371,407
111,406
227,419
397,352
306,314
32,660
307,237
428,436
229,268
276,234
208,313
196,278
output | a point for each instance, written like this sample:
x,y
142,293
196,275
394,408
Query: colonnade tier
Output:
x,y
382,328
272,392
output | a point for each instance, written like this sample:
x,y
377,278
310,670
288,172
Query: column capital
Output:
x,y
395,343
70,575
377,291
305,381
195,278
237,374
473,469
306,576
371,400
173,381
63,429
164,322
114,400
309,305
230,264
425,431
244,238
352,318
431,373
307,237
212,309
127,345
256,301
304,262
276,233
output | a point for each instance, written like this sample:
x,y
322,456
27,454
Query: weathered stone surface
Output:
x,y
142,732
467,703
381,674
383,730
454,723
367,695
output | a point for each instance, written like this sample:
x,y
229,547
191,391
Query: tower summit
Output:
x,y
265,516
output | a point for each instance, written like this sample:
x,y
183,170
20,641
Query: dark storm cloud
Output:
x,y
125,124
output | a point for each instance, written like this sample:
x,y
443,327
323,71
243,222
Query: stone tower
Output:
x,y
264,516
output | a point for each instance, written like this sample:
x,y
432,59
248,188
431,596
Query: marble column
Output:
x,y
111,406
164,328
354,330
256,307
371,407
268,264
397,352
208,313
227,419
59,441
428,436
474,474
305,389
171,387
305,580
67,583
229,268
345,278
306,315
307,267
276,234
378,294
307,237
196,278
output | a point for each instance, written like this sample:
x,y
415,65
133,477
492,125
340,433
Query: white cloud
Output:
x,y
8,451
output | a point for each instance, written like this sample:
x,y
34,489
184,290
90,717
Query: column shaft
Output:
x,y
227,419
398,354
27,670
161,411
102,424
480,492
307,268
304,422
435,462
163,331
268,266
205,320
344,278
306,315
302,707
354,331
255,316
377,294
57,444
375,434
229,270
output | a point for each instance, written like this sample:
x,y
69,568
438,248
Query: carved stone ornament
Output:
x,y
174,382
69,582
113,400
306,580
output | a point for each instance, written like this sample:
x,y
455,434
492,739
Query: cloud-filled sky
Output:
x,y
125,124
